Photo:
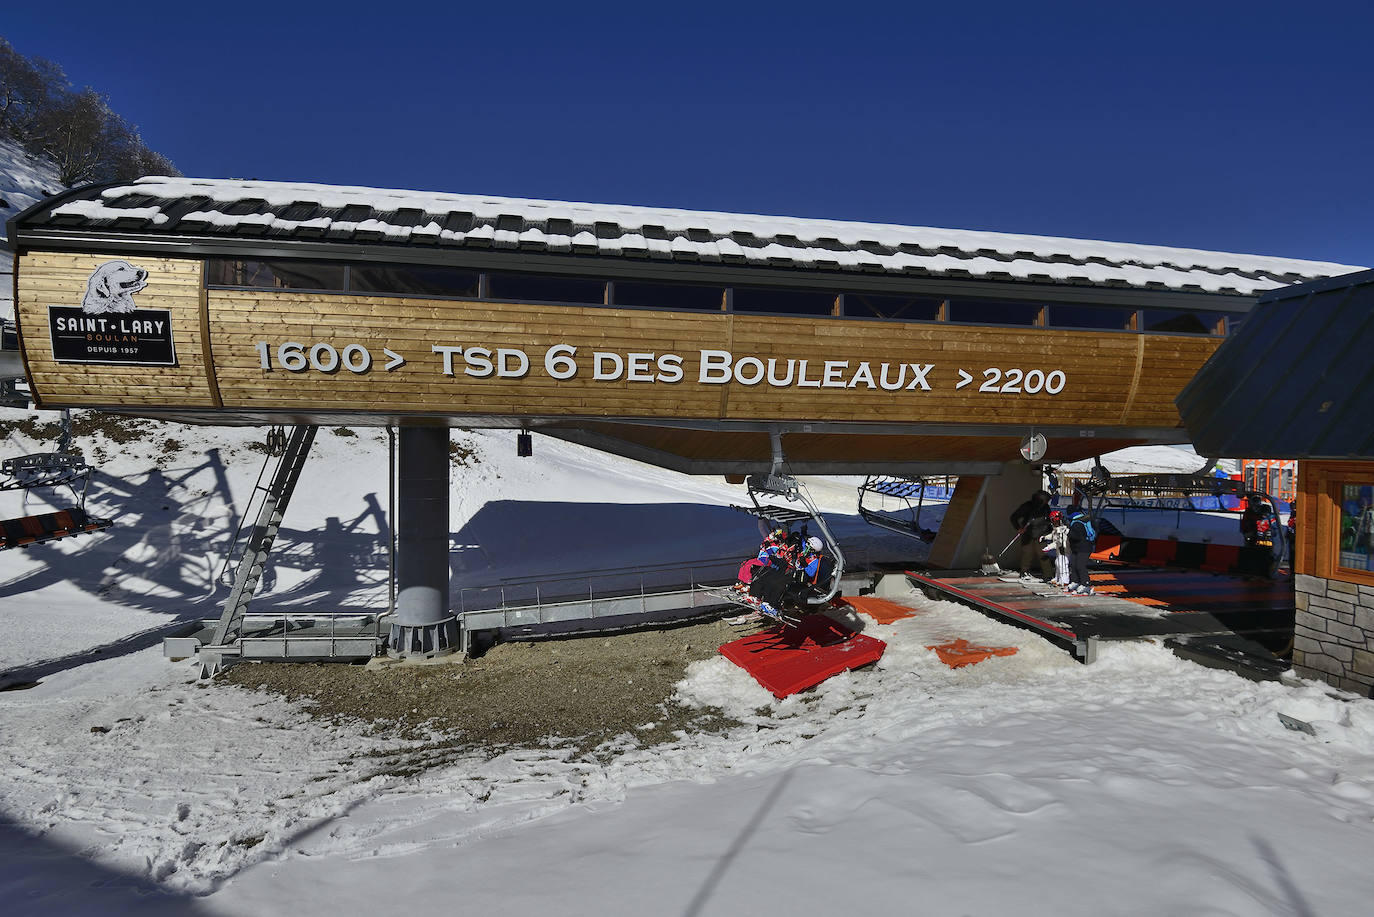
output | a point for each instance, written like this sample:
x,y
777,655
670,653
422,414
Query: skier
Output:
x,y
808,573
1082,540
1257,523
1032,520
1057,546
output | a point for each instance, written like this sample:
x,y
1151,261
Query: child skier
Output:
x,y
1057,547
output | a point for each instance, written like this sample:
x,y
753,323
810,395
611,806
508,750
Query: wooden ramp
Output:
x,y
1232,615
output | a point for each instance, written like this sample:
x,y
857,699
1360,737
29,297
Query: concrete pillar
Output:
x,y
982,522
423,625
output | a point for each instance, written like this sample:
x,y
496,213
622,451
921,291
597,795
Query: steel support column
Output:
x,y
423,625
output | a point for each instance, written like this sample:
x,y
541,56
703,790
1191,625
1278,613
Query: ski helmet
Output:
x,y
815,544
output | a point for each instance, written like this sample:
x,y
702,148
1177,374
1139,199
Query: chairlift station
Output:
x,y
708,343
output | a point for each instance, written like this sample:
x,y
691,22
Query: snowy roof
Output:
x,y
281,210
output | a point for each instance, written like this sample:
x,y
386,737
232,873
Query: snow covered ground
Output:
x,y
1141,784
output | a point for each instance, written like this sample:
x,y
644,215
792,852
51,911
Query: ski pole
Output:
x,y
1009,544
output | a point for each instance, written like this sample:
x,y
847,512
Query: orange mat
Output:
x,y
961,653
880,610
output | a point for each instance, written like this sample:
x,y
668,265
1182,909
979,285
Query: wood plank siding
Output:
x,y
223,336
57,279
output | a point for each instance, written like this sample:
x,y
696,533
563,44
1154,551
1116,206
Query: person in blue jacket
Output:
x,y
1082,541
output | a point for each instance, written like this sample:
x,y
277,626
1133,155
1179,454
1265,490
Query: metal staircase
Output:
x,y
274,499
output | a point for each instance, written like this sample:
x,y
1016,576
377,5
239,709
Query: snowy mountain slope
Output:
x,y
1146,460
24,180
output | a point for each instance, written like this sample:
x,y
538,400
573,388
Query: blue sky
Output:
x,y
1232,126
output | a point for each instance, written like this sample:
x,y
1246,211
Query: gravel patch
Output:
x,y
579,692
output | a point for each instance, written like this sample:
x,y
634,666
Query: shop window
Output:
x,y
412,280
1183,321
784,302
545,288
278,275
1356,536
994,312
1102,318
669,295
903,308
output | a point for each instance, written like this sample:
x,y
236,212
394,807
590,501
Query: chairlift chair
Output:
x,y
1149,491
878,490
62,468
786,487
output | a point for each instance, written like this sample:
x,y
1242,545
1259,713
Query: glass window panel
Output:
x,y
905,308
784,302
669,295
413,280
1357,526
282,275
993,312
1103,317
1182,321
545,288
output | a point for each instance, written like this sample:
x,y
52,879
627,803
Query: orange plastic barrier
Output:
x,y
1221,558
960,653
1106,547
1160,553
880,610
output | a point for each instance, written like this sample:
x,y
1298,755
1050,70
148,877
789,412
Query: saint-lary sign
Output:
x,y
708,367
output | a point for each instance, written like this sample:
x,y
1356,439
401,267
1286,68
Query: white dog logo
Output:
x,y
112,286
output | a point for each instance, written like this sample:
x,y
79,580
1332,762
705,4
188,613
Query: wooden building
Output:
x,y
686,339
1293,384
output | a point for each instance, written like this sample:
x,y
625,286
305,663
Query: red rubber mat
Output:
x,y
786,660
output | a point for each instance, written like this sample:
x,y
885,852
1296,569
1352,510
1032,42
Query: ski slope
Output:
x,y
1142,784
24,180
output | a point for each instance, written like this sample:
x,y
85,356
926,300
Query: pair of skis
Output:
x,y
756,607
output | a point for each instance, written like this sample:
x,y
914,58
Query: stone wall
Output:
x,y
1334,637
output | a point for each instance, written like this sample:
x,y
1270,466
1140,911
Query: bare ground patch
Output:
x,y
578,692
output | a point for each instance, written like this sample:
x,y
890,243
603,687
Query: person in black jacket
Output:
x,y
1032,519
1082,541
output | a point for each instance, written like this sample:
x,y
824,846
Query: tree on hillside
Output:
x,y
26,88
78,131
81,135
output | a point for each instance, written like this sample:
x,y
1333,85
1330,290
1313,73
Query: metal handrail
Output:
x,y
720,569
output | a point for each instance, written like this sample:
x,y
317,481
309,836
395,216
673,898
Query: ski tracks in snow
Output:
x,y
145,769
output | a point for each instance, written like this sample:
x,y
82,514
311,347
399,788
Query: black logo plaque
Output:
x,y
142,337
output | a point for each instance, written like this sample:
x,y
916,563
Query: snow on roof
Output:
x,y
327,212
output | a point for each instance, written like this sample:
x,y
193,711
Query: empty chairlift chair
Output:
x,y
894,503
63,468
